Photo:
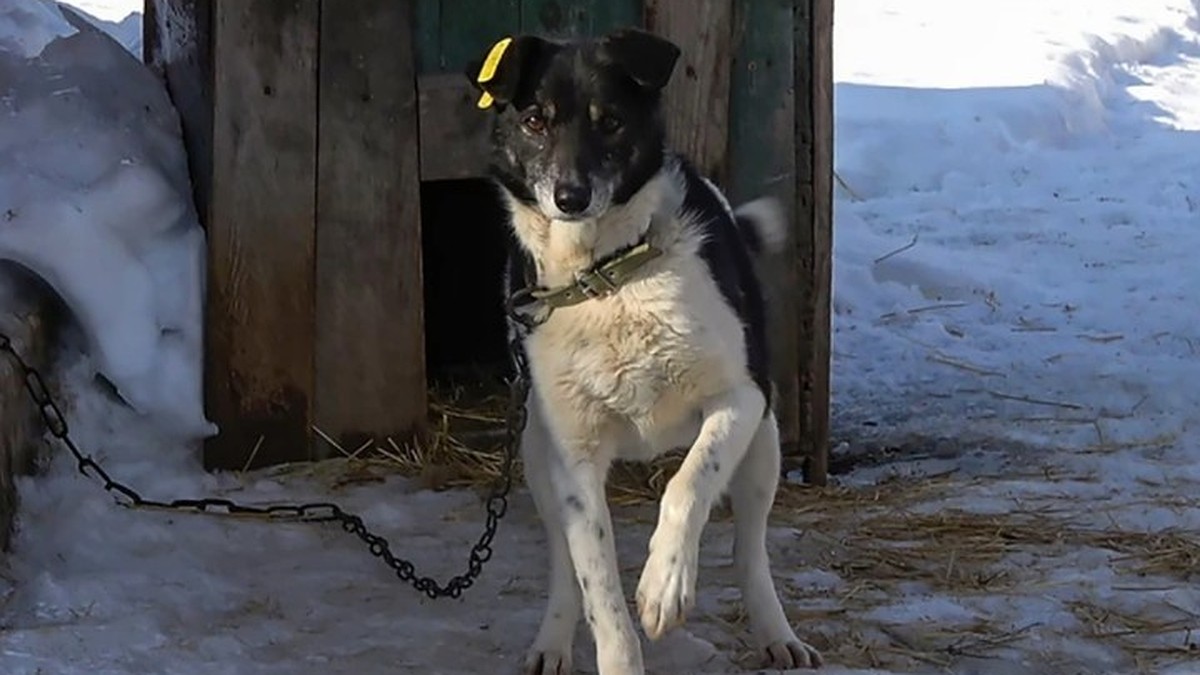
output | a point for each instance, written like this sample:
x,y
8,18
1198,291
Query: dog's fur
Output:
x,y
677,357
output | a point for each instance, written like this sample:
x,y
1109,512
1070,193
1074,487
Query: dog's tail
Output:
x,y
763,225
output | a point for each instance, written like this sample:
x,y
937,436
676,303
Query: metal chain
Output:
x,y
481,552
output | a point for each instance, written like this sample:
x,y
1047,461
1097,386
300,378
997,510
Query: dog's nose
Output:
x,y
572,198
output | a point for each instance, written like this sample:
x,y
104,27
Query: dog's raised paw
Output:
x,y
547,662
794,653
666,591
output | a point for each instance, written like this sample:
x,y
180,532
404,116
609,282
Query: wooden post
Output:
x,y
176,43
814,226
370,349
261,232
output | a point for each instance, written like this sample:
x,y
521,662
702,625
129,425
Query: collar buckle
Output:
x,y
594,284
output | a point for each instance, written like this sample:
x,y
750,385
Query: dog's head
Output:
x,y
578,125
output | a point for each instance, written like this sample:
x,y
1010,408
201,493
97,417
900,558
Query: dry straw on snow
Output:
x,y
880,540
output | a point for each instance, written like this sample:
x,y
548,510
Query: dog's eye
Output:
x,y
610,124
534,122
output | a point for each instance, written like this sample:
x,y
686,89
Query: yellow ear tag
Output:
x,y
488,70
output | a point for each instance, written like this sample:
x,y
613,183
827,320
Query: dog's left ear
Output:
x,y
648,58
498,75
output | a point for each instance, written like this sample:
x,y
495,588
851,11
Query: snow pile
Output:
x,y
27,27
121,19
1048,201
95,199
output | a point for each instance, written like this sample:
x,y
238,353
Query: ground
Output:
x,y
1015,404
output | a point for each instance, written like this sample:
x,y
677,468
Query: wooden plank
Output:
x,y
454,133
696,100
570,18
814,240
176,44
763,162
370,342
259,356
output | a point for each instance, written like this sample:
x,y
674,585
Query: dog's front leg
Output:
x,y
579,476
667,589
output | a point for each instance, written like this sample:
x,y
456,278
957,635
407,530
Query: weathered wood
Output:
x,y
454,133
260,351
370,341
449,33
569,18
176,44
762,161
814,226
23,319
696,101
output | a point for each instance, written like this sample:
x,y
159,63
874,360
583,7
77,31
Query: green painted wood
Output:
x,y
452,32
762,106
428,36
762,158
565,18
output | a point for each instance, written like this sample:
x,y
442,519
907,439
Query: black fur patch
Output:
x,y
726,252
750,235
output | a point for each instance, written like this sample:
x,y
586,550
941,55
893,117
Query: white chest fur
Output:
x,y
637,365
641,362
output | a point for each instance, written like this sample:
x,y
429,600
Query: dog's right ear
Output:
x,y
649,59
498,74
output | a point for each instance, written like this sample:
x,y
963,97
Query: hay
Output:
x,y
887,538
881,539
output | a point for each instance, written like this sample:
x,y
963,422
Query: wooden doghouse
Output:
x,y
317,129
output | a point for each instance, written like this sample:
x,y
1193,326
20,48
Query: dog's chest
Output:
x,y
650,354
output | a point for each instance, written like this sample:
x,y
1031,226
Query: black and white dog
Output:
x,y
648,335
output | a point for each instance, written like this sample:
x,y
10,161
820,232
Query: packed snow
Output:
x,y
95,198
1015,348
27,27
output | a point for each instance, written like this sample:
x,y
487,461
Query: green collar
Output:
x,y
533,305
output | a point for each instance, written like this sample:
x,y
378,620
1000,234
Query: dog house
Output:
x,y
354,251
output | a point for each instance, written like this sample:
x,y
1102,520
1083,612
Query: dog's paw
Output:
x,y
792,653
547,662
667,590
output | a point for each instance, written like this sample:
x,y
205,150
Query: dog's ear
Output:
x,y
647,58
498,74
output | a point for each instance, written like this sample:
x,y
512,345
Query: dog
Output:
x,y
642,323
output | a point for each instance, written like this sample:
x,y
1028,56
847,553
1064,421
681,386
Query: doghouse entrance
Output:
x,y
463,250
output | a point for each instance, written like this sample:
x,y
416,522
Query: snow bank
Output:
x,y
1013,141
95,199
997,77
26,27
121,19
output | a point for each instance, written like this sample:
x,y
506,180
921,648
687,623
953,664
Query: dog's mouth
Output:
x,y
574,218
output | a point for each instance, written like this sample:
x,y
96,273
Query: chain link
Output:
x,y
481,552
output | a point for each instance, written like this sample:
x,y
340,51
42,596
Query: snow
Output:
x,y
1015,344
27,27
96,201
121,19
